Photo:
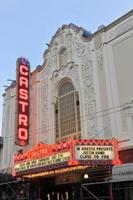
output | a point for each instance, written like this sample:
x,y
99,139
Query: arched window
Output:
x,y
63,57
67,113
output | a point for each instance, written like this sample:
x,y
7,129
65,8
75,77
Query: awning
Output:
x,y
122,172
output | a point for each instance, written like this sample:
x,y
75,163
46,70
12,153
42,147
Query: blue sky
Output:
x,y
26,25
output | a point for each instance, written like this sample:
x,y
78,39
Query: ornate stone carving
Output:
x,y
69,37
74,72
80,49
52,61
61,38
98,42
44,102
89,92
99,51
82,58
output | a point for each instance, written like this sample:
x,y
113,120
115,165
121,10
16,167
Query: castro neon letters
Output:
x,y
23,104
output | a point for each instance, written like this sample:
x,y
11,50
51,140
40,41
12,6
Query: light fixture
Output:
x,y
86,176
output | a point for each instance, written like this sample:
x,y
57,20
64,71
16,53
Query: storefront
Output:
x,y
58,171
123,181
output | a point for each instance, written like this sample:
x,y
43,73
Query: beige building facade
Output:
x,y
83,90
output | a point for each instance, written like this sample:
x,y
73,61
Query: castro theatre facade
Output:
x,y
67,125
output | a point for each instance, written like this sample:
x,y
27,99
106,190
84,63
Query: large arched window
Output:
x,y
63,57
67,113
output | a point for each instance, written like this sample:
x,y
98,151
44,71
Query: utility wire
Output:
x,y
89,117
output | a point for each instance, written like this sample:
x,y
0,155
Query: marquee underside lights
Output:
x,y
56,171
23,73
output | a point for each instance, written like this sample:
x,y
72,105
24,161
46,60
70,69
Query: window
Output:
x,y
67,112
63,57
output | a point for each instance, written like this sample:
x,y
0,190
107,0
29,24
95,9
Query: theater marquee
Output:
x,y
23,72
49,159
94,152
43,162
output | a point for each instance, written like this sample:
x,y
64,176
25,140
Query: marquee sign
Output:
x,y
47,157
23,72
94,152
43,162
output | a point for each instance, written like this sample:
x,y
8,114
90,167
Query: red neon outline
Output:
x,y
44,150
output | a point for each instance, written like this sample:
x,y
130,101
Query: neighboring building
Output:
x,y
8,127
83,90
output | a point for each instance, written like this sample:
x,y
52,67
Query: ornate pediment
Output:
x,y
71,26
62,37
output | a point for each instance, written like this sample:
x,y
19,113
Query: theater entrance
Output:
x,y
64,187
69,186
63,192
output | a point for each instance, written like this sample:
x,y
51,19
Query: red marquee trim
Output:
x,y
44,150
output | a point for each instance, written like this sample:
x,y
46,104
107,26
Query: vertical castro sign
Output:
x,y
23,78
